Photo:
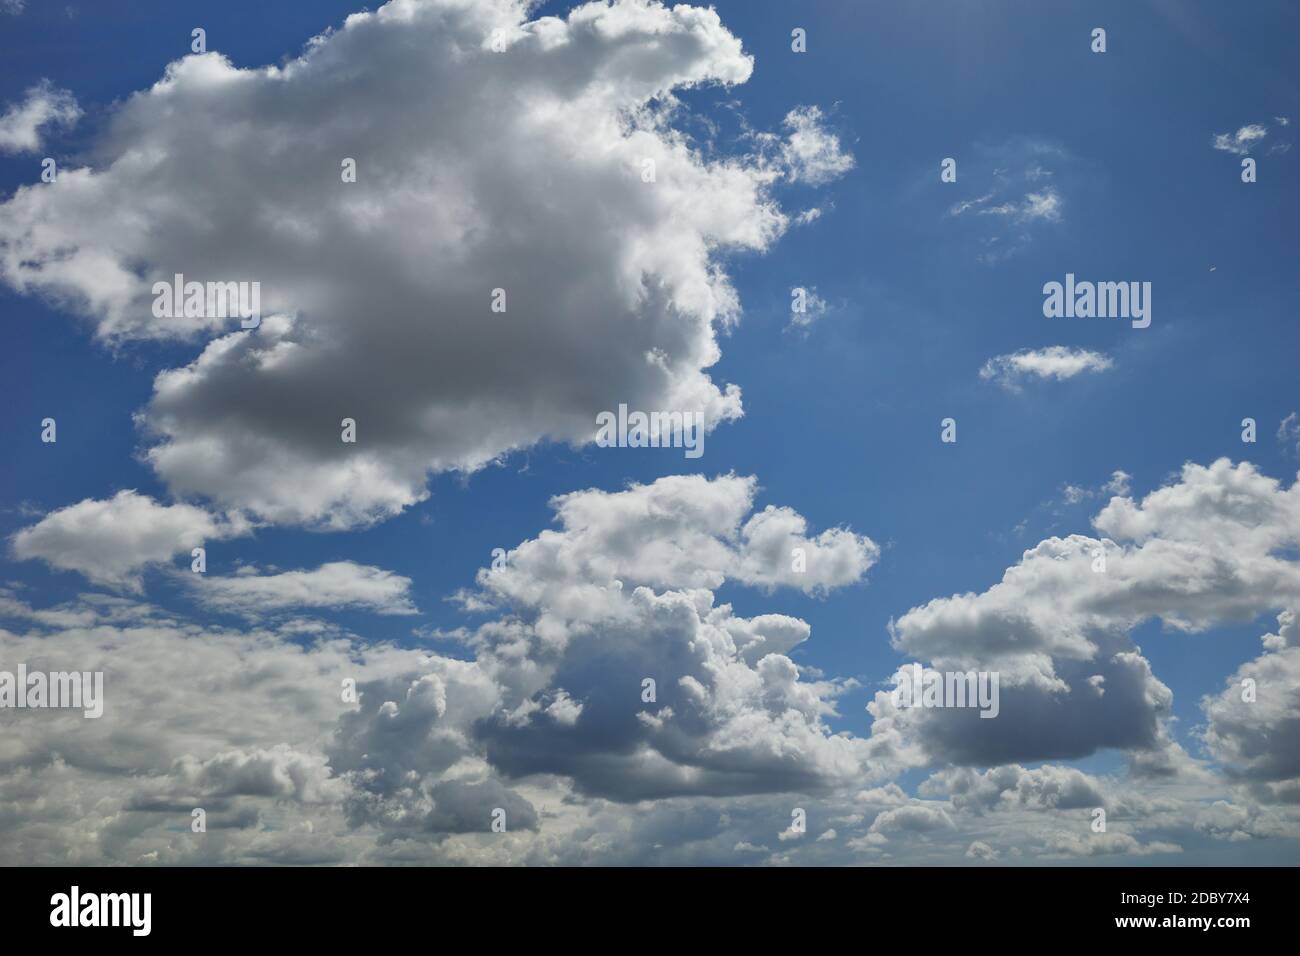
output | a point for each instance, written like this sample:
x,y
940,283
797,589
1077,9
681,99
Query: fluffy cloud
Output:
x,y
811,153
622,593
278,772
109,541
1253,725
1057,362
679,532
550,710
1215,546
337,584
194,716
1045,788
519,170
44,106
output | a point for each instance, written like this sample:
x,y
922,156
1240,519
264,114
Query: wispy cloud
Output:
x,y
1250,136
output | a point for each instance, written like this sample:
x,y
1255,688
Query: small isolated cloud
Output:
x,y
1057,362
44,105
1044,205
12,6
811,153
110,541
338,584
1241,141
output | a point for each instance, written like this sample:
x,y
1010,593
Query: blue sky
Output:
x,y
842,418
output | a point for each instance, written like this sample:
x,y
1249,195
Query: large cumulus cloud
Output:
x,y
622,593
1214,546
492,152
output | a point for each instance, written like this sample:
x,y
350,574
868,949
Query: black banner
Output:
x,y
884,905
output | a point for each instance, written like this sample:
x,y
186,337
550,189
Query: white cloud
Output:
x,y
1241,141
279,772
1106,844
337,584
1254,722
627,580
1216,546
1056,362
376,294
109,541
1044,205
811,153
546,719
44,106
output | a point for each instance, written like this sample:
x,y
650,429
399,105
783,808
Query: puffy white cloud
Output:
x,y
110,540
811,153
336,584
1045,788
549,712
621,593
679,532
519,170
1057,362
1253,724
278,772
44,105
230,721
1215,546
